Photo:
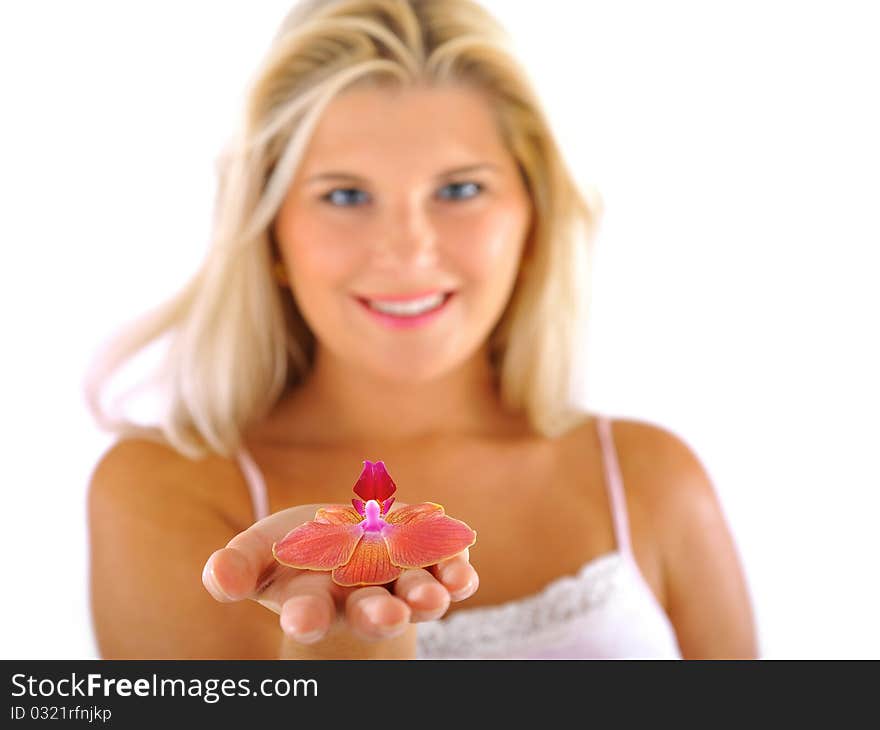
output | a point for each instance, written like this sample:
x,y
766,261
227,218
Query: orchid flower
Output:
x,y
368,544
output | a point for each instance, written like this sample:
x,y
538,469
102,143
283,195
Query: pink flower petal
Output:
x,y
420,535
319,545
369,564
414,512
374,482
338,514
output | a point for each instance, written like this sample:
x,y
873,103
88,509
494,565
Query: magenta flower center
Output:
x,y
372,522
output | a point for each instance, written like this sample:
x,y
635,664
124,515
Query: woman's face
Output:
x,y
406,201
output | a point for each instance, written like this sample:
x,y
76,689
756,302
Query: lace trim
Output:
x,y
533,621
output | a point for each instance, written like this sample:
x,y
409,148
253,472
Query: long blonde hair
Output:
x,y
236,338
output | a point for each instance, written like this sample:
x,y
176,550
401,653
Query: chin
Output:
x,y
409,371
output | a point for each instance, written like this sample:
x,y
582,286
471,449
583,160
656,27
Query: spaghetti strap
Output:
x,y
256,484
614,485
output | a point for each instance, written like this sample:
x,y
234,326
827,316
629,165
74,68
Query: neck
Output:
x,y
340,404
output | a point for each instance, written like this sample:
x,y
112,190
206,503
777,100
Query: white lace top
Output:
x,y
606,610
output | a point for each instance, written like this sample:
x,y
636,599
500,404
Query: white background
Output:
x,y
736,146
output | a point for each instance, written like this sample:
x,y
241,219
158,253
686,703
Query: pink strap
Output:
x,y
614,485
256,484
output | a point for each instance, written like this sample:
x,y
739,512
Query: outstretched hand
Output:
x,y
309,603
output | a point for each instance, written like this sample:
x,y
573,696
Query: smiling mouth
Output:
x,y
411,307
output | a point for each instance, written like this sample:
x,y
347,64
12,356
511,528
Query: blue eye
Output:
x,y
339,200
339,197
476,187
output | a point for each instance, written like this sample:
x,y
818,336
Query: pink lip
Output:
x,y
394,322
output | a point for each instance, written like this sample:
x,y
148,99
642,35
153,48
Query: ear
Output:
x,y
274,249
528,251
279,271
529,245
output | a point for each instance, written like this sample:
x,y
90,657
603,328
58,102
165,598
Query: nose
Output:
x,y
409,236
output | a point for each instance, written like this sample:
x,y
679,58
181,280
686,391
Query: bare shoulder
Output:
x,y
148,474
663,467
707,596
135,461
671,482
155,516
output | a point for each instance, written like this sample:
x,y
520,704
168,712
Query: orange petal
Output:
x,y
318,545
337,514
369,564
414,512
421,535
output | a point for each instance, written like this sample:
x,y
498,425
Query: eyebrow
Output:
x,y
338,175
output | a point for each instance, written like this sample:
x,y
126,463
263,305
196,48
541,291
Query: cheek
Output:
x,y
317,257
491,245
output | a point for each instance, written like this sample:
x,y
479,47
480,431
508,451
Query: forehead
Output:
x,y
413,126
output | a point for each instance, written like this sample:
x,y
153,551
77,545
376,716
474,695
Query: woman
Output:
x,y
393,277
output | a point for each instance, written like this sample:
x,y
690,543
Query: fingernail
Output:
x,y
372,608
209,577
309,637
463,593
419,594
448,576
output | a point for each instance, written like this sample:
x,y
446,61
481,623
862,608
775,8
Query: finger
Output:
x,y
427,598
286,584
457,575
231,574
373,613
246,565
216,566
309,609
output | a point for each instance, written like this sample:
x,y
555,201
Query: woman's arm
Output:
x,y
706,593
154,518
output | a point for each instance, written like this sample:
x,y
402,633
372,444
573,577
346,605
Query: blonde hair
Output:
x,y
236,338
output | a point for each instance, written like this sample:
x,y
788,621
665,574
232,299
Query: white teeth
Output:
x,y
408,309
